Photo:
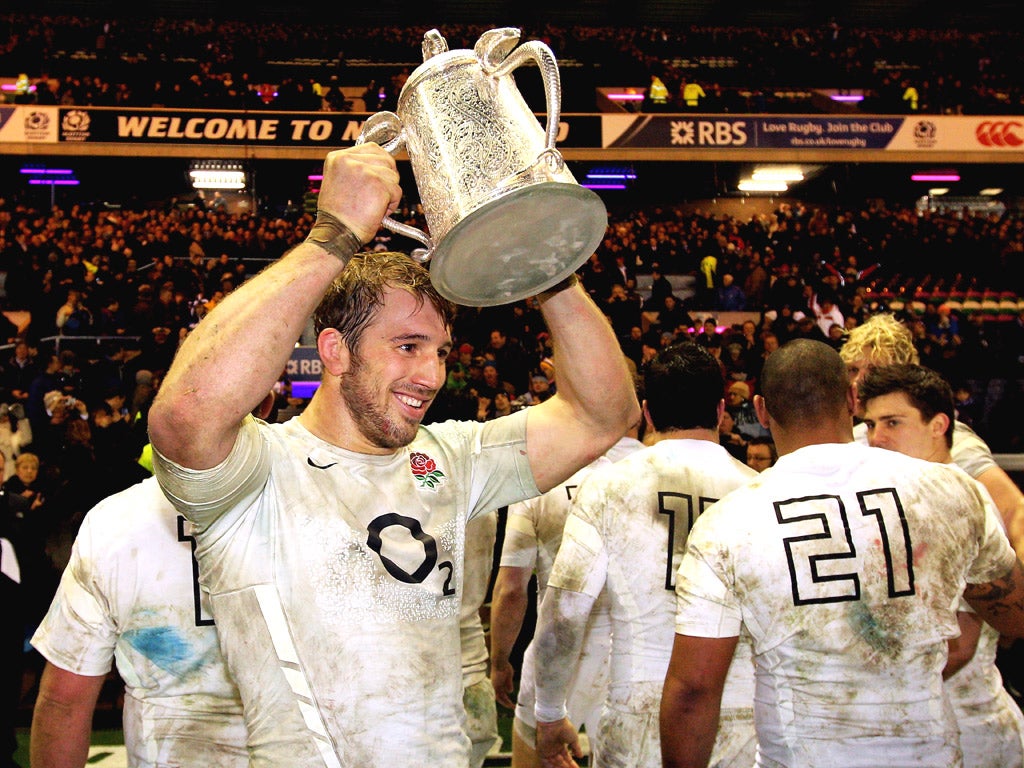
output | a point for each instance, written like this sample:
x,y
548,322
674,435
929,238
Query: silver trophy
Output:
x,y
506,218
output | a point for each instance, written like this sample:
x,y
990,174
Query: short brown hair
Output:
x,y
355,297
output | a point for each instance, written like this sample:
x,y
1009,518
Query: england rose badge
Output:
x,y
425,471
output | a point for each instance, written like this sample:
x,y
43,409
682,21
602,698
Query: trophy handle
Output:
x,y
488,50
385,128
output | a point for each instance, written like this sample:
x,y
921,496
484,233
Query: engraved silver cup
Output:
x,y
506,218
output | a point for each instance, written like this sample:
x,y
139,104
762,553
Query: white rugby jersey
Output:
x,y
336,578
533,533
846,564
130,594
626,535
990,722
481,535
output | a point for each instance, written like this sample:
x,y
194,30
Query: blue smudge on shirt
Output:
x,y
164,646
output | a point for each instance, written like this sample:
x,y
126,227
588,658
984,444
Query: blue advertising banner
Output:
x,y
304,364
750,132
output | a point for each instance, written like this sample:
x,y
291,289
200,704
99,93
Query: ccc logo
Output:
x,y
1000,133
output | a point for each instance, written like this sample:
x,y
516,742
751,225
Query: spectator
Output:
x,y
73,317
826,312
660,288
510,357
761,453
623,312
12,592
740,406
730,296
730,438
15,435
17,373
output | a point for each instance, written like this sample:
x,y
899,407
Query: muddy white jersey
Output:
x,y
626,535
990,722
336,578
481,535
130,594
846,564
534,527
533,533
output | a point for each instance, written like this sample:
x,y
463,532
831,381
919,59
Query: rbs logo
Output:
x,y
705,133
1000,133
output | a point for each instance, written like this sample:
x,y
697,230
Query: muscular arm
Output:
x,y
596,402
1009,500
691,700
62,719
231,359
1000,602
509,600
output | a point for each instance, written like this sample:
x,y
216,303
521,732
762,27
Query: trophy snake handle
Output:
x,y
385,128
542,56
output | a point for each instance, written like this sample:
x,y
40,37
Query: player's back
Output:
x,y
847,563
642,510
130,592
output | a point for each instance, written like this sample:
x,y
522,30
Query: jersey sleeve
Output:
x,y
996,556
204,494
502,473
705,605
78,633
519,548
970,452
582,561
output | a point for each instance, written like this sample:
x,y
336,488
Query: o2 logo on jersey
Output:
x,y
375,541
824,564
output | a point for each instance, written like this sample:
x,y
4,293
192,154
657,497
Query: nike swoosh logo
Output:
x,y
320,466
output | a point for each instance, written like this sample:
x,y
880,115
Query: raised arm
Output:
x,y
596,401
233,357
62,719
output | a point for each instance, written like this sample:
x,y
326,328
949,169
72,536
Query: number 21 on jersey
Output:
x,y
824,564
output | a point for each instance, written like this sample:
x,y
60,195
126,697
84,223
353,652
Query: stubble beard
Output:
x,y
359,389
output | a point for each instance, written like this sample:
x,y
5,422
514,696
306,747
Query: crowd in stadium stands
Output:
x,y
223,63
96,302
139,279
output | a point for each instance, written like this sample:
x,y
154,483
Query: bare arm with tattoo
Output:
x,y
1000,602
